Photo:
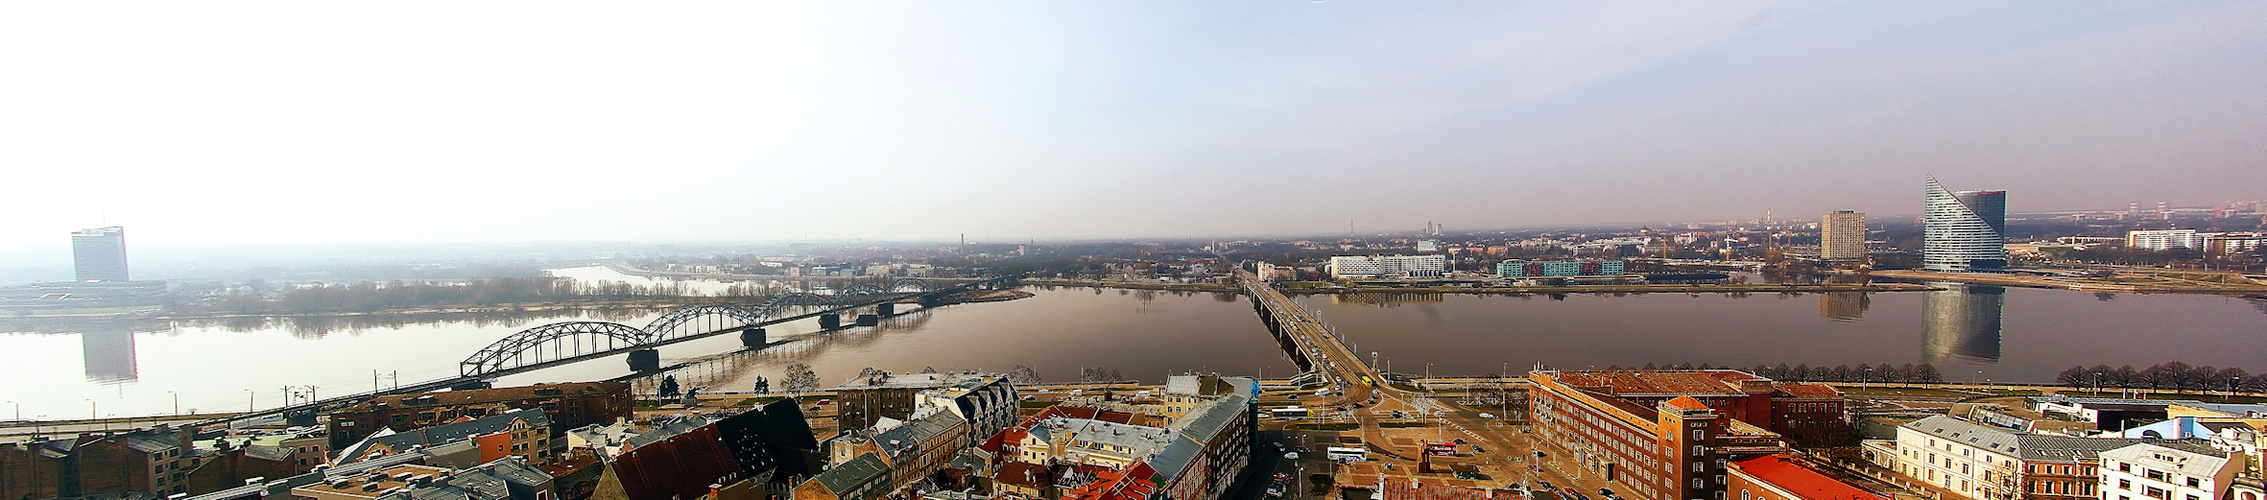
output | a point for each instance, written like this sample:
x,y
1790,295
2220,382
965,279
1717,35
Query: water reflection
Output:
x,y
317,327
1961,321
1843,306
110,352
106,345
1387,299
737,370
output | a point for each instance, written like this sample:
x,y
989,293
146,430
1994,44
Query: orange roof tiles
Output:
x,y
1687,402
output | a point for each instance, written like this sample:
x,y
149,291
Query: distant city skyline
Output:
x,y
536,122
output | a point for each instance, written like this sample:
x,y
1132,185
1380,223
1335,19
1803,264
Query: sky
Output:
x,y
408,122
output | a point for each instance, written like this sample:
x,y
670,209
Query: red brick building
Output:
x,y
1797,411
1669,434
569,405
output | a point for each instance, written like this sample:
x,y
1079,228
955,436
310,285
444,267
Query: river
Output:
x,y
1984,333
74,369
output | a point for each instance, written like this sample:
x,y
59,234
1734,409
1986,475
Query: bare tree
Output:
x,y
800,379
1023,375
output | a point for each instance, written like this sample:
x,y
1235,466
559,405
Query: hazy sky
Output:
x,y
673,121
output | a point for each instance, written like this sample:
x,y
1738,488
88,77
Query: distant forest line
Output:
x,y
490,292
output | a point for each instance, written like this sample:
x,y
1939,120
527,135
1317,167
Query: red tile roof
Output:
x,y
1687,402
1131,483
1794,476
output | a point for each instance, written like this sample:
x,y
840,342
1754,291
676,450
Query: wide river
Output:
x,y
74,369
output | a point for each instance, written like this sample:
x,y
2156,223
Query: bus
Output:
x,y
1440,449
1348,454
1292,413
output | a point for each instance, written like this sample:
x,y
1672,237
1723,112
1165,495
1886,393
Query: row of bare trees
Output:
x,y
1908,373
2171,375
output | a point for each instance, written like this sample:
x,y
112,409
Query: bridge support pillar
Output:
x,y
931,300
753,337
886,308
830,321
869,319
645,360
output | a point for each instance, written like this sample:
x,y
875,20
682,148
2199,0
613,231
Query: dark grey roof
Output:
x,y
448,433
152,441
1968,433
1217,415
2067,449
665,431
842,478
514,470
268,453
1176,457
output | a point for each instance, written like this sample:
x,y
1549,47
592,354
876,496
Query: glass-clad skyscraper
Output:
x,y
1965,230
99,253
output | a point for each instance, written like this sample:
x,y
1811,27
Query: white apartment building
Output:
x,y
2167,470
1388,266
2164,239
1973,460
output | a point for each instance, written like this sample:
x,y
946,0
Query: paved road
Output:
x,y
1508,449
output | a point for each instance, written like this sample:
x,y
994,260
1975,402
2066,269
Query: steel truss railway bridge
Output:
x,y
567,342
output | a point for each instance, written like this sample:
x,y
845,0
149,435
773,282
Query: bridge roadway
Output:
x,y
1324,352
338,402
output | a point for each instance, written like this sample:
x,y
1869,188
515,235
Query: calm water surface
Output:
x,y
1987,333
75,369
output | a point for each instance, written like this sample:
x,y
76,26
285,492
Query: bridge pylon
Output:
x,y
645,360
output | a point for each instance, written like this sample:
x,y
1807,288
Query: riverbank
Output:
x,y
2119,283
1638,289
733,277
521,307
1314,288
1136,285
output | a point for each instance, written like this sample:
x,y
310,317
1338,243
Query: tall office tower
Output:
x,y
100,253
2164,210
1964,230
1842,235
